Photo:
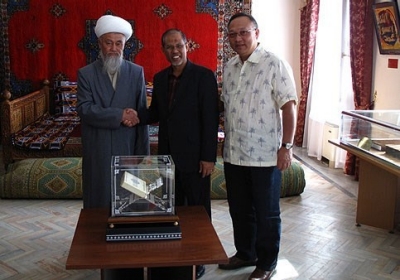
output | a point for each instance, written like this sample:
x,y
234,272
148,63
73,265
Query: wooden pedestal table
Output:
x,y
199,245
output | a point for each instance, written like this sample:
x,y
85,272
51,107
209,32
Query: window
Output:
x,y
330,89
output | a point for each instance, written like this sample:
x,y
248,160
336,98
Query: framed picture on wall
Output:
x,y
386,17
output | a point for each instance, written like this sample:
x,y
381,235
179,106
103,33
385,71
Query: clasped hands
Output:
x,y
130,117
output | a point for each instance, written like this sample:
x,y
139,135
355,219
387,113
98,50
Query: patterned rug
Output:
x,y
50,132
27,54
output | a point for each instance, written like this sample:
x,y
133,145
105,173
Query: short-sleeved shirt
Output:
x,y
253,93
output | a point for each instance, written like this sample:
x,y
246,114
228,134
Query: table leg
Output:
x,y
122,273
176,273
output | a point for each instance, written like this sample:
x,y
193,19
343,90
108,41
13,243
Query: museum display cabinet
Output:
x,y
374,138
376,133
142,199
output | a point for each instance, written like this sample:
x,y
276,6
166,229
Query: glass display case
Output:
x,y
142,186
373,136
376,132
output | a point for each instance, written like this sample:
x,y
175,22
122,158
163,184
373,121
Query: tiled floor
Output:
x,y
336,176
319,237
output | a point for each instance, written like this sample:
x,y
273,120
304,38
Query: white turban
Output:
x,y
109,23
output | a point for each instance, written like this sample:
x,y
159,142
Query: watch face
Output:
x,y
287,145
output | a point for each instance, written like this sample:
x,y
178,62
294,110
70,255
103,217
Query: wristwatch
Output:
x,y
288,146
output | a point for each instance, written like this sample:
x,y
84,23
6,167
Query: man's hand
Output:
x,y
284,158
129,117
206,168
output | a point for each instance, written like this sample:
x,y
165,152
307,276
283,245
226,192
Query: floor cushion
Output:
x,y
293,180
62,178
43,178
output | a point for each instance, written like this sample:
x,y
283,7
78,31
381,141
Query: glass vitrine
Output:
x,y
142,185
376,132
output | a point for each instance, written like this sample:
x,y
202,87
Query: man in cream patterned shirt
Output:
x,y
259,97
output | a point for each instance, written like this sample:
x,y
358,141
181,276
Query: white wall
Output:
x,y
386,80
279,24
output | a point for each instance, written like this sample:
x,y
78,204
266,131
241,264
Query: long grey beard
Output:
x,y
111,64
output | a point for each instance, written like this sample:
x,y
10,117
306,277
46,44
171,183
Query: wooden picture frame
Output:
x,y
386,17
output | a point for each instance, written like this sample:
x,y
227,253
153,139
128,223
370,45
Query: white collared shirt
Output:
x,y
113,78
253,93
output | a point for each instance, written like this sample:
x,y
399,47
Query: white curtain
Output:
x,y
330,89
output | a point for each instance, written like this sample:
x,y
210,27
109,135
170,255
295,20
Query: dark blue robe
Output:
x,y
103,136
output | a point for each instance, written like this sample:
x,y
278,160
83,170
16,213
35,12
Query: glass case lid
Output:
x,y
150,161
387,118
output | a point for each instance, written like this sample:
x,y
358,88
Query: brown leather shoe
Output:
x,y
259,274
235,263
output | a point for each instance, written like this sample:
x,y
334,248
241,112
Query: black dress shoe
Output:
x,y
259,274
200,270
235,263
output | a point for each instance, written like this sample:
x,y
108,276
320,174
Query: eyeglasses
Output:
x,y
241,33
171,48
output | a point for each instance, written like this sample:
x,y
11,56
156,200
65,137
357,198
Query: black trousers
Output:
x,y
253,198
191,189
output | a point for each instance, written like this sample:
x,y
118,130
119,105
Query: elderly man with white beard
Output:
x,y
111,91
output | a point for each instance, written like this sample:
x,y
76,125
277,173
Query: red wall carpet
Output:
x,y
52,39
